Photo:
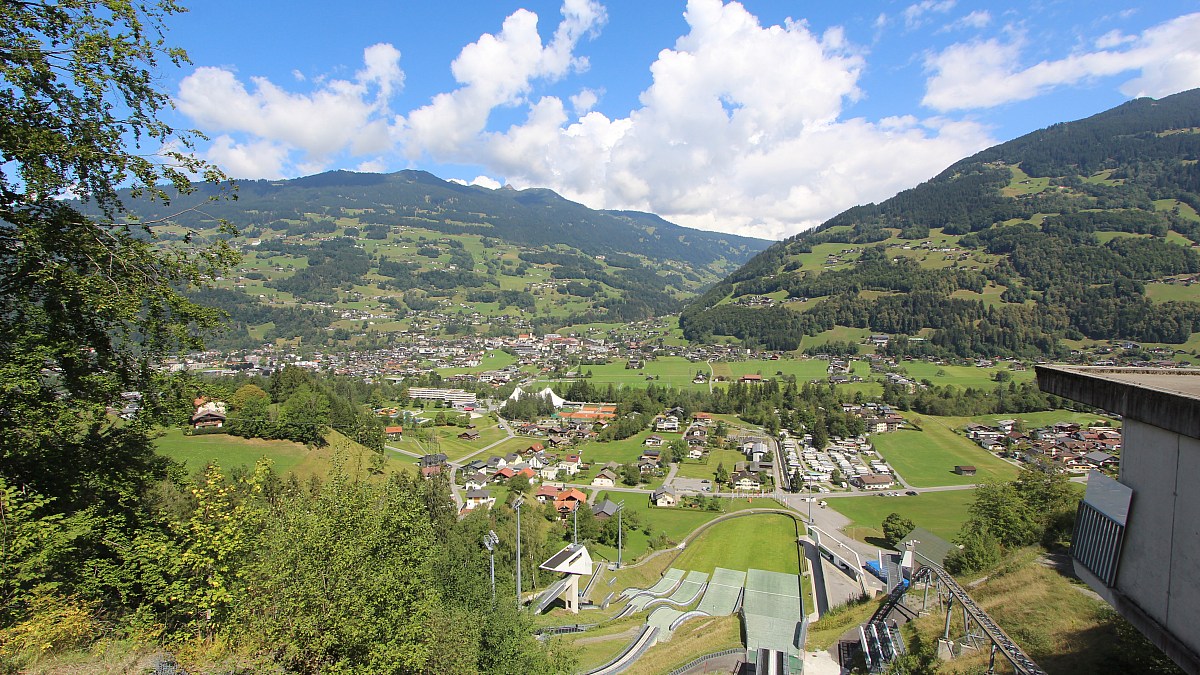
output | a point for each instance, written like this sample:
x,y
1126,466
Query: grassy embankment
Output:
x,y
1062,625
286,456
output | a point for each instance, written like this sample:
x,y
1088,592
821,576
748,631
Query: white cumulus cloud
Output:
x,y
986,73
741,131
499,70
337,115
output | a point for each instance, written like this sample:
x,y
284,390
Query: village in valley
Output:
x,y
490,417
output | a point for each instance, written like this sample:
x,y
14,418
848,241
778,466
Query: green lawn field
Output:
x,y
803,369
1166,292
597,454
766,541
1031,420
456,448
942,513
716,456
493,359
675,522
672,371
927,458
962,376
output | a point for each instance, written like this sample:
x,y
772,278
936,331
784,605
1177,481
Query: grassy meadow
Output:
x,y
286,456
942,513
927,458
674,522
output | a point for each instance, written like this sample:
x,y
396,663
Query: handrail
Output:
x,y
707,657
1011,650
631,652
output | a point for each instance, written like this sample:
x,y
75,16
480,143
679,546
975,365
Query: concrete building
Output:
x,y
1137,538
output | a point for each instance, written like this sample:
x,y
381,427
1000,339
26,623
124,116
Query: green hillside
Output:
x,y
1084,231
345,256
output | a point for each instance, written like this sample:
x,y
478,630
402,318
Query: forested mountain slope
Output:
x,y
324,254
1084,230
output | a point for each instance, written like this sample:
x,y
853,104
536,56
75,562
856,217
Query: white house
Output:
x,y
663,497
668,423
606,478
479,498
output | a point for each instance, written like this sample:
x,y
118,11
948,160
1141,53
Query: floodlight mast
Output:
x,y
489,541
517,507
620,509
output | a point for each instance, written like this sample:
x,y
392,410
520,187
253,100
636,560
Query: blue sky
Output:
x,y
764,117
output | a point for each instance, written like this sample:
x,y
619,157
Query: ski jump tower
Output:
x,y
575,562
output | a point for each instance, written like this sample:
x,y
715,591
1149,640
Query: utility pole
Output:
x,y
575,513
517,507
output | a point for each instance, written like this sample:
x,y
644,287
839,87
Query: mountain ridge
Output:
x,y
416,197
1101,196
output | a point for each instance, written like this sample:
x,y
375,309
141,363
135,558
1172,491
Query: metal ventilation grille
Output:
x,y
1097,543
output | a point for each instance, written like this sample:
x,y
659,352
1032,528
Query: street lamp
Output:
x,y
810,501
517,507
620,532
489,541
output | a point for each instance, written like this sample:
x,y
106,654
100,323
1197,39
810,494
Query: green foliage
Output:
x,y
630,475
721,476
34,542
895,526
980,551
339,580
91,303
304,416
250,413
1038,506
677,450
999,508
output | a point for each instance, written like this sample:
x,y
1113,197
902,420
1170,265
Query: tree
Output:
x,y
999,508
895,526
589,527
304,417
92,300
820,436
722,474
980,550
630,475
368,430
250,413
677,450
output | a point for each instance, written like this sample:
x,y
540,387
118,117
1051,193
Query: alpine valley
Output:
x,y
328,256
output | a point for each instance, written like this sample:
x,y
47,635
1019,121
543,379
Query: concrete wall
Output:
x,y
1160,559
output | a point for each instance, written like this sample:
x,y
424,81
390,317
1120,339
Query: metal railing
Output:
x,y
707,657
1010,649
